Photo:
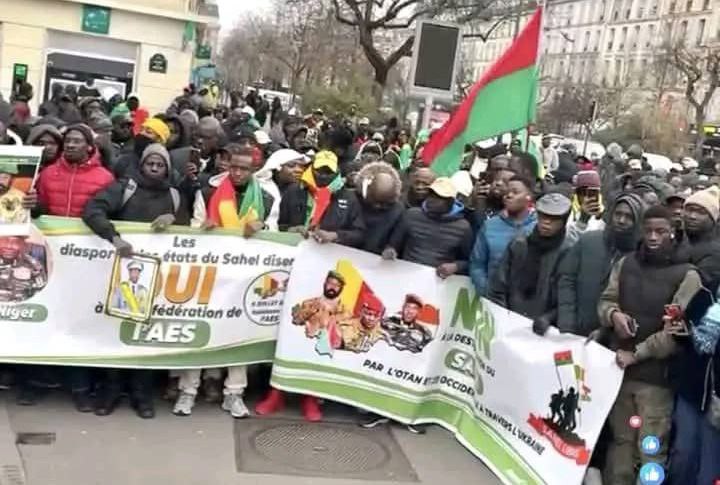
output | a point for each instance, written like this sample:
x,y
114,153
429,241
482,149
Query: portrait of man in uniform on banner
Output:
x,y
18,171
130,292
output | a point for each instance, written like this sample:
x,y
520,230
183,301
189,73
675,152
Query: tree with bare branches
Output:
x,y
700,68
375,18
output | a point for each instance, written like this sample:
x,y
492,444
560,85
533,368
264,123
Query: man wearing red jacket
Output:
x,y
63,189
67,185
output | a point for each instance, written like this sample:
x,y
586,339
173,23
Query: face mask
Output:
x,y
141,143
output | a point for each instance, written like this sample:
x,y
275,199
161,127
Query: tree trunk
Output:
x,y
378,89
699,138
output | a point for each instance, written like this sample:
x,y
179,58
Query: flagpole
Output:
x,y
558,376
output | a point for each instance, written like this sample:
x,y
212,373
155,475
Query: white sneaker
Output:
x,y
184,404
235,405
593,476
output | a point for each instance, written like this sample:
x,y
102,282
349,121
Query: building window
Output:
x,y
598,34
636,39
706,4
672,7
618,72
651,34
586,44
570,15
654,8
581,77
682,34
623,38
642,75
689,5
611,39
700,32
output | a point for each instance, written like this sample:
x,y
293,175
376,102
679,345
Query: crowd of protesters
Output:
x,y
605,248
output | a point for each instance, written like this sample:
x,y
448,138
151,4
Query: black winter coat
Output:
x,y
146,204
343,215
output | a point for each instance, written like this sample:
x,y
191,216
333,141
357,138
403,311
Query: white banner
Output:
x,y
393,338
218,298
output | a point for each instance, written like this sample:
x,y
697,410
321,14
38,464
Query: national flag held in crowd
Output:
x,y
503,100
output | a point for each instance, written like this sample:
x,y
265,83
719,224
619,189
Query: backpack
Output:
x,y
131,187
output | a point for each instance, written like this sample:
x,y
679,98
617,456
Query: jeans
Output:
x,y
235,383
695,453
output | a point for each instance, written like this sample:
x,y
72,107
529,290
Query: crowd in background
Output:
x,y
602,247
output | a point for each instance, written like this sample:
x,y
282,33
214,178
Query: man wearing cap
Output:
x,y
675,202
321,207
633,307
587,207
435,234
131,295
122,135
701,246
363,130
12,210
493,238
525,280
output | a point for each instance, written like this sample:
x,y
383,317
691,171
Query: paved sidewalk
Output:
x,y
199,450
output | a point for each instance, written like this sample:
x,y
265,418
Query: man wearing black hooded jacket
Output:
x,y
144,197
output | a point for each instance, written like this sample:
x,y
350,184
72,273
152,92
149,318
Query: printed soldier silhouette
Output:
x,y
131,296
556,401
569,408
21,275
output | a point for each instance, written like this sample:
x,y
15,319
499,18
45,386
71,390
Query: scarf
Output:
x,y
537,247
129,297
319,197
223,210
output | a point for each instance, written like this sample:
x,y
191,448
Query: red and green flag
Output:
x,y
502,100
563,358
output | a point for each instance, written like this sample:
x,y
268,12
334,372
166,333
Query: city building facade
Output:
x,y
613,44
151,47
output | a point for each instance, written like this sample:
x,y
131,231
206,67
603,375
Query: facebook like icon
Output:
x,y
652,474
650,445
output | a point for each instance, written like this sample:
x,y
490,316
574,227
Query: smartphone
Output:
x,y
633,327
195,156
676,314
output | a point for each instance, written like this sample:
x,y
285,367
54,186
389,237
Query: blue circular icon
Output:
x,y
652,474
650,445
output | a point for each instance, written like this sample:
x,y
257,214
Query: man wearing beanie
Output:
x,y
145,197
48,137
525,281
587,207
153,130
701,246
63,189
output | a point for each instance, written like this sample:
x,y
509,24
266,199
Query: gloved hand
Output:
x,y
162,222
541,325
122,247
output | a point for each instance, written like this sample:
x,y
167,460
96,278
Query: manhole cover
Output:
x,y
330,449
322,448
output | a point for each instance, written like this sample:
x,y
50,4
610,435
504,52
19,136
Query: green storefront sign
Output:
x,y
96,19
203,51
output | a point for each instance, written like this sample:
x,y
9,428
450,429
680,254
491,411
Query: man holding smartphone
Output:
x,y
587,206
634,306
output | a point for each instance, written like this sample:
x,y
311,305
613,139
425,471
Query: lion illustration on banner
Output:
x,y
349,316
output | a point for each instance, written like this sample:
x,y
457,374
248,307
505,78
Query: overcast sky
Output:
x,y
230,10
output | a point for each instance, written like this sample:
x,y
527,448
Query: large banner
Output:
x,y
218,299
392,338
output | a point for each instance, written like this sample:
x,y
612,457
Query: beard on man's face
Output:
x,y
331,293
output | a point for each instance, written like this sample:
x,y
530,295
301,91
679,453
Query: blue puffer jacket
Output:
x,y
491,243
